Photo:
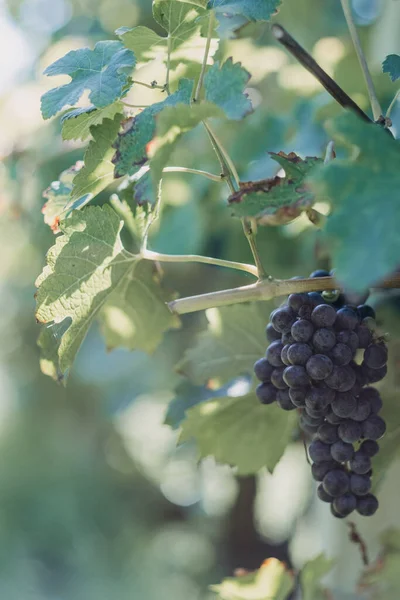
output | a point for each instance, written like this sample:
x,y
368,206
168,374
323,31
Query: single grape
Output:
x,y
313,421
365,311
263,370
283,400
350,431
346,318
298,396
315,412
335,513
305,312
341,354
309,429
370,448
287,339
373,397
344,505
283,319
315,298
298,354
266,393
319,273
277,378
342,451
332,418
360,484
328,433
373,428
374,375
360,463
302,330
320,469
364,336
375,356
271,333
341,379
324,339
362,410
367,505
273,354
344,404
318,398
296,301
323,315
336,483
319,367
296,376
319,452
284,357
322,495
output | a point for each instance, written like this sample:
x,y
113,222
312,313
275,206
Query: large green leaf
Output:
x,y
86,268
233,342
240,432
131,146
98,171
254,10
224,86
272,581
278,199
179,19
103,71
76,123
391,65
364,192
311,575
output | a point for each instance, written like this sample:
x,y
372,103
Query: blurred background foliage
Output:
x,y
95,499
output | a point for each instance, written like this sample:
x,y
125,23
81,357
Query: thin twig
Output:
x,y
248,229
375,105
356,538
135,105
305,59
205,58
169,50
151,86
186,258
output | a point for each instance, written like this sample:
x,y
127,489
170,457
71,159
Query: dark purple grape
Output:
x,y
346,318
345,504
319,367
360,485
271,333
336,483
302,330
284,357
341,379
298,354
362,410
318,398
296,376
374,375
277,378
364,336
370,448
296,301
266,393
344,404
298,396
315,412
283,319
319,452
367,505
314,421
283,400
324,339
323,315
322,495
373,428
335,513
364,311
273,354
373,397
328,433
342,451
341,354
305,312
332,418
320,469
263,370
350,431
319,273
375,356
353,341
287,339
309,429
360,463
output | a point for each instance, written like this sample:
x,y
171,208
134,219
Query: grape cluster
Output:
x,y
310,365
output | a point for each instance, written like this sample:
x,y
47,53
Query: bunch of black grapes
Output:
x,y
310,365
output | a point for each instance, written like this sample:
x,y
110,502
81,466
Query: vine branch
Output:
x,y
185,258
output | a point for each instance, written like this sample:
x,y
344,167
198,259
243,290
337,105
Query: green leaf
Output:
x,y
240,432
279,199
58,196
224,86
272,581
382,578
253,10
131,145
364,191
76,123
229,348
98,171
179,19
102,71
187,396
143,41
86,268
311,575
391,65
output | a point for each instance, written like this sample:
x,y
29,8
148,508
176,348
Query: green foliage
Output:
x,y
224,86
142,40
76,123
279,199
87,268
311,576
187,396
383,577
391,65
362,229
179,19
254,10
58,196
103,71
240,432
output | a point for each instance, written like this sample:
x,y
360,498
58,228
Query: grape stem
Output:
x,y
263,290
356,538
